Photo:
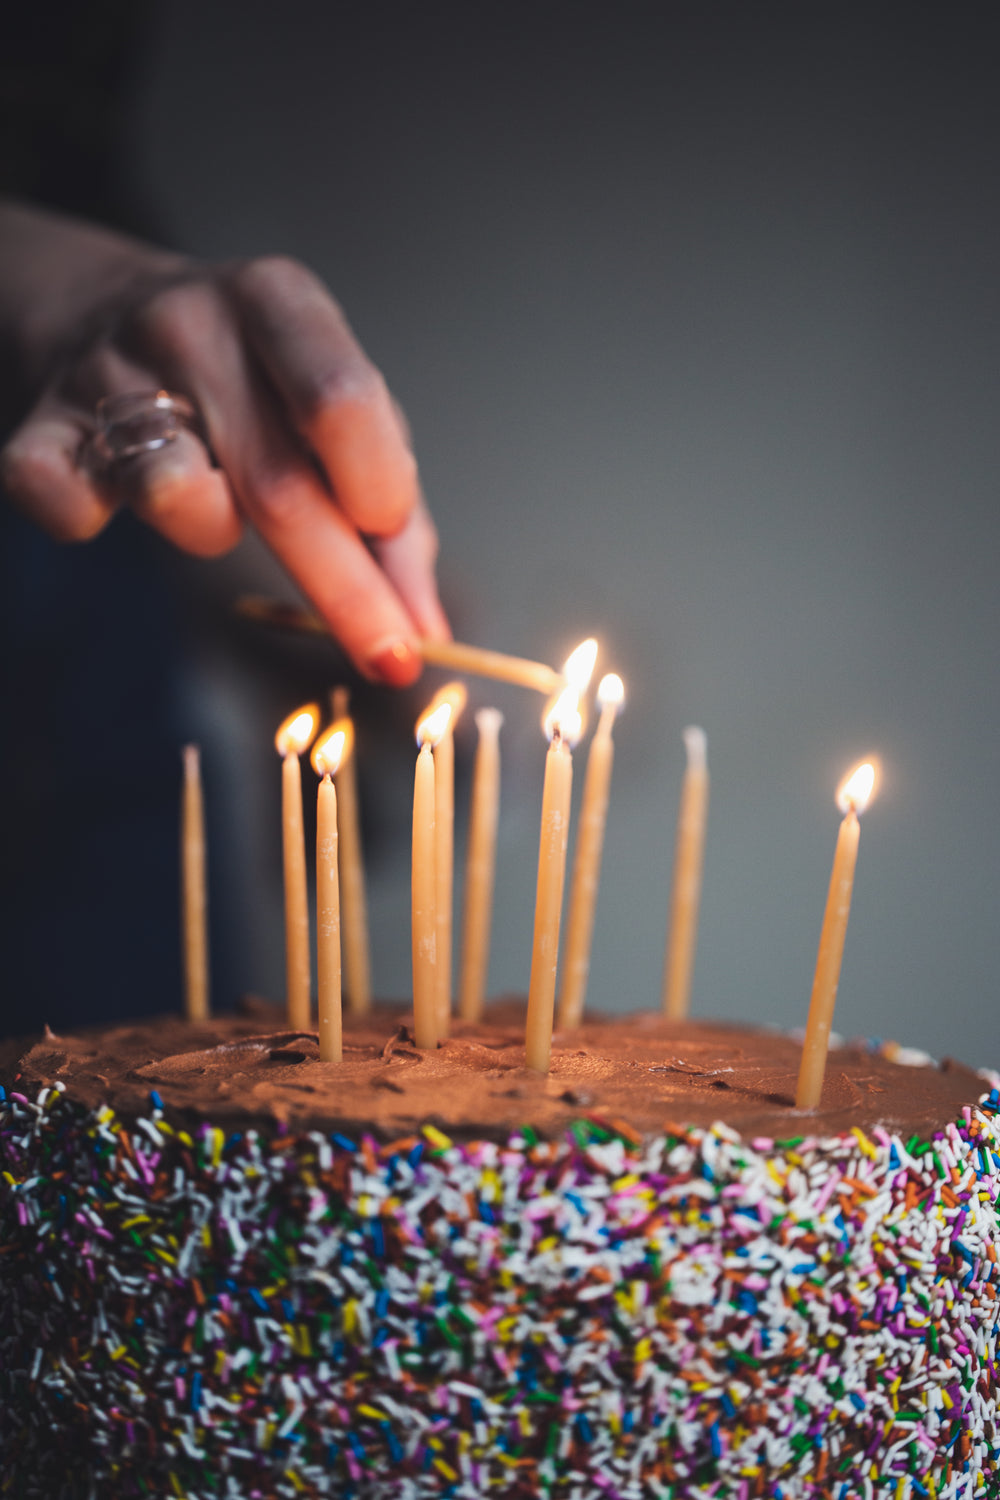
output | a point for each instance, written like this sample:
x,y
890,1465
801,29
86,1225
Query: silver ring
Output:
x,y
140,422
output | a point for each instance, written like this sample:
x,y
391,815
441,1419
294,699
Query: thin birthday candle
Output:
x,y
328,755
587,858
423,884
194,900
480,866
562,725
292,738
454,695
685,897
354,900
853,796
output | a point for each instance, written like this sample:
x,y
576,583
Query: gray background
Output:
x,y
694,313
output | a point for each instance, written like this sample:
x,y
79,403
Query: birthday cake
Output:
x,y
229,1269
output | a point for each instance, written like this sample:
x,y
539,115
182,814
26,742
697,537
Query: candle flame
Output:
x,y
433,727
330,752
298,729
611,692
563,718
579,666
455,694
696,746
855,791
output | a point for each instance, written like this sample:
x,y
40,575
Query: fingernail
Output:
x,y
397,663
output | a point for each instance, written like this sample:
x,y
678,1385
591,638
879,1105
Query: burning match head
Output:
x,y
455,694
579,666
332,749
856,790
296,733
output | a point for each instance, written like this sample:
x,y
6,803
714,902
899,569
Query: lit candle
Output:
x,y
587,858
291,740
853,797
194,901
328,755
423,887
454,695
480,866
354,903
562,725
689,858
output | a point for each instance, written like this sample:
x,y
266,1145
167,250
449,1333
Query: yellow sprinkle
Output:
x,y
373,1412
350,1315
206,1236
901,1488
946,1398
437,1137
446,1469
220,1361
171,1260
291,1474
184,1138
177,1485
218,1141
643,1350
9,1180
867,1147
117,1353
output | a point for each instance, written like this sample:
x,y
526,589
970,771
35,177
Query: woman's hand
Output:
x,y
308,445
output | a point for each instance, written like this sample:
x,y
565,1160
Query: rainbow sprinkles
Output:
x,y
301,1314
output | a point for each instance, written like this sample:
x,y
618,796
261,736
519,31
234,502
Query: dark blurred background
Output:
x,y
694,312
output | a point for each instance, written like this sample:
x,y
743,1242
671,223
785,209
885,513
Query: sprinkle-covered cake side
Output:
x,y
304,1314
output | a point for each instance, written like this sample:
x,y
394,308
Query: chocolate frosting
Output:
x,y
640,1070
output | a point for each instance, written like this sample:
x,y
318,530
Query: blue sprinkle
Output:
x,y
486,1212
378,1235
288,1310
578,1203
893,1156
357,1447
344,1141
727,1404
857,1401
331,1453
382,1300
583,1427
381,1334
746,1300
155,1099
235,1138
258,1299
628,1421
395,1446
339,1349
476,1407
3,1094
994,1096
346,1255
918,1486
716,1441
416,1154
845,1490
196,1390
803,1268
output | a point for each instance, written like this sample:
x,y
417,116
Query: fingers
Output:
x,y
175,490
408,561
273,483
336,397
41,472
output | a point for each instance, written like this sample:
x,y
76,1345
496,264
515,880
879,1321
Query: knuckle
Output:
x,y
280,500
273,276
348,390
173,318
